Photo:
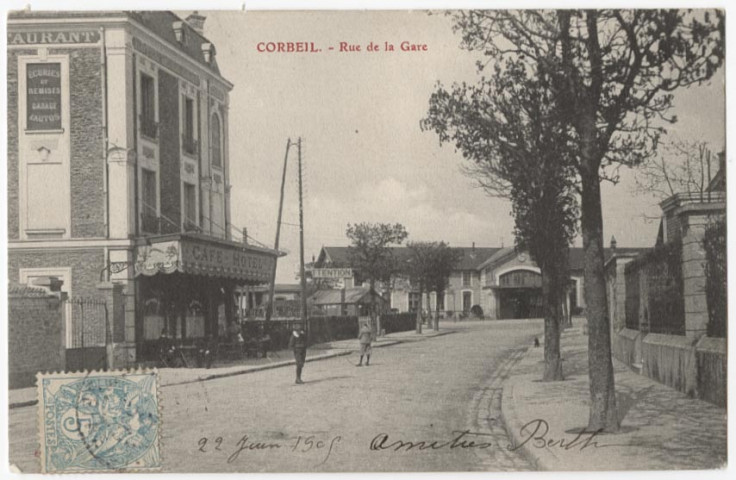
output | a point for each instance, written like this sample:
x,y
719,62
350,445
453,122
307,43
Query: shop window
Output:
x,y
190,208
195,320
189,144
216,144
148,126
154,324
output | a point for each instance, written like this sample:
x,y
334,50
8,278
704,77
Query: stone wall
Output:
x,y
35,334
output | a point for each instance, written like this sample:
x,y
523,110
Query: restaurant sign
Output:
x,y
43,84
332,273
53,37
197,258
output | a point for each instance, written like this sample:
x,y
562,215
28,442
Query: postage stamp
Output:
x,y
99,422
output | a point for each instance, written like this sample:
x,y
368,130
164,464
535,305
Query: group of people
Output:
x,y
298,343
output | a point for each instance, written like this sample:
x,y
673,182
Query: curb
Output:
x,y
257,368
539,457
513,426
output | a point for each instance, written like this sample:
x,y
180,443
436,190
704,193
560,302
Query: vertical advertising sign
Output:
x,y
44,96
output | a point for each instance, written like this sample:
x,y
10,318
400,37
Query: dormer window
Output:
x,y
208,52
180,32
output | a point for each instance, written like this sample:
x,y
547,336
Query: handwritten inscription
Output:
x,y
298,444
461,440
536,434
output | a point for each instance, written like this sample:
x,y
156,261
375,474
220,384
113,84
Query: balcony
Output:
x,y
150,223
191,226
148,126
189,145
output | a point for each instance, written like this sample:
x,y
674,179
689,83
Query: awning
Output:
x,y
198,254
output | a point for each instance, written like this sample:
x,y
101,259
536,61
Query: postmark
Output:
x,y
99,422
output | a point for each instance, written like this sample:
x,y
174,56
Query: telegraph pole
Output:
x,y
301,243
272,291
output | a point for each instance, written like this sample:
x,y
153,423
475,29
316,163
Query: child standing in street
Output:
x,y
365,335
298,343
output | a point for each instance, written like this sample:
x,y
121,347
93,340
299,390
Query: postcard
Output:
x,y
366,241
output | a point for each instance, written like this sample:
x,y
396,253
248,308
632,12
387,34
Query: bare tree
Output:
x,y
679,167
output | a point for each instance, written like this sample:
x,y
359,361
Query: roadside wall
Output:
x,y
35,334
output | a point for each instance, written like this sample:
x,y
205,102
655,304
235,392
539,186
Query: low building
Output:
x,y
353,301
501,282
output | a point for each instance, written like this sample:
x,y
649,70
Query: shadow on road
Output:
x,y
327,379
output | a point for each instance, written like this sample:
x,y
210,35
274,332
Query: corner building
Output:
x,y
118,173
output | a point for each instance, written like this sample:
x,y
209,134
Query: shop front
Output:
x,y
186,289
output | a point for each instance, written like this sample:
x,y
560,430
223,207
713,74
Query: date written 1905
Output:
x,y
298,444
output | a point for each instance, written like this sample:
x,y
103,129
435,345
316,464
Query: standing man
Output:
x,y
365,335
298,342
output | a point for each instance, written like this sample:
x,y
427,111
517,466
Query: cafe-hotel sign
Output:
x,y
203,259
54,37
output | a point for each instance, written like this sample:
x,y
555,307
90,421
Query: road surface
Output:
x,y
423,405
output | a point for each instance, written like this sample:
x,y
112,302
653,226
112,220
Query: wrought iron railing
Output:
x,y
148,126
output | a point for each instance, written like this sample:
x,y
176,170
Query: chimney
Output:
x,y
196,21
473,246
245,236
613,243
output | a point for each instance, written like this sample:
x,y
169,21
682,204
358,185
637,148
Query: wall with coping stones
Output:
x,y
85,264
35,336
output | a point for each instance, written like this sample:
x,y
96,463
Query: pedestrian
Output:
x,y
298,343
365,336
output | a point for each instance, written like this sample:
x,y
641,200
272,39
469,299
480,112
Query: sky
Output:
x,y
365,158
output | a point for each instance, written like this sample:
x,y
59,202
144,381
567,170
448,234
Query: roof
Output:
x,y
334,296
159,22
577,255
288,288
472,257
476,258
22,290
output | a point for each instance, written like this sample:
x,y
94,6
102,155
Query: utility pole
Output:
x,y
301,243
272,291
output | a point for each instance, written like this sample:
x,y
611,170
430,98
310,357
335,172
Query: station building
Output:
x,y
504,282
118,173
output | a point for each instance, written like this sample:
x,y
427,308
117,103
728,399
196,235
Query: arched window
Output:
x,y
216,135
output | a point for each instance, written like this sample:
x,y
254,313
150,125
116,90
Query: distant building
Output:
x,y
503,282
355,301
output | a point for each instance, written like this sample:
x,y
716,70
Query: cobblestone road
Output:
x,y
419,391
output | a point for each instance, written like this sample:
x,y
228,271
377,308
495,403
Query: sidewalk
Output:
x,y
24,397
661,428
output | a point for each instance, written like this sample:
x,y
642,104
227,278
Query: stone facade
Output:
x,y
94,176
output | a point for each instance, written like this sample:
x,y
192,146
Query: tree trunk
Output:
x,y
429,310
603,412
552,322
374,319
419,310
436,324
